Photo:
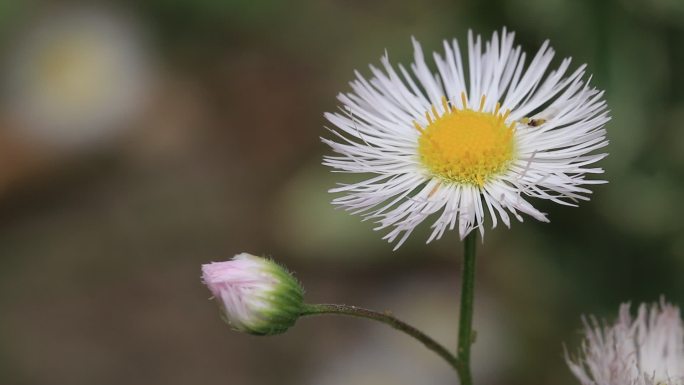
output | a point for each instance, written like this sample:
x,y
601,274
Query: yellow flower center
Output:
x,y
466,146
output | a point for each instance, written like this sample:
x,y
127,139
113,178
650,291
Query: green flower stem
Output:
x,y
388,320
466,336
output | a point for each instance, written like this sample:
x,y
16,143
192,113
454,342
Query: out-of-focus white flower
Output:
x,y
456,144
76,76
646,350
256,295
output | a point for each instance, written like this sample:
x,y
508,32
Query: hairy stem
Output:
x,y
387,319
466,335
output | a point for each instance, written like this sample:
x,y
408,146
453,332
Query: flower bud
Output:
x,y
256,295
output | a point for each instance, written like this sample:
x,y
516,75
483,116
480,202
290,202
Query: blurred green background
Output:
x,y
101,239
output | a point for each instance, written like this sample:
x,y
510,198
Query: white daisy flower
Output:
x,y
455,146
648,350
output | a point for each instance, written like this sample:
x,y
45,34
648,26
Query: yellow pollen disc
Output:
x,y
466,146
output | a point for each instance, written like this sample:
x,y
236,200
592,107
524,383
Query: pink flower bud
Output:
x,y
256,295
